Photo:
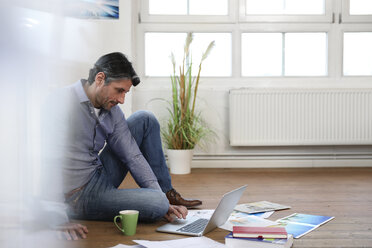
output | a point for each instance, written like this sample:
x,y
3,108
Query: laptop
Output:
x,y
196,226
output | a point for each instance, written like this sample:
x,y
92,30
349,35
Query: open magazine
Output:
x,y
300,224
258,207
244,219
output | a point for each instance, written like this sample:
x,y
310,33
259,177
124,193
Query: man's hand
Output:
x,y
178,211
72,231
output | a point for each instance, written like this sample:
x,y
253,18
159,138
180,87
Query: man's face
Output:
x,y
107,96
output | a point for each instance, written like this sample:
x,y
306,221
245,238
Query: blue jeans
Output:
x,y
101,199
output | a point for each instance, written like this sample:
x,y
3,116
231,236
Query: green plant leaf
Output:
x,y
185,128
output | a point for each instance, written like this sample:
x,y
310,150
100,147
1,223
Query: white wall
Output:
x,y
213,102
80,42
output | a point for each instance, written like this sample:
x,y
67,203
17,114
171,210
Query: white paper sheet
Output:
x,y
194,242
207,213
127,246
236,218
202,213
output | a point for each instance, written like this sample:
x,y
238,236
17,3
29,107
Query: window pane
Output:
x,y
262,54
291,7
257,7
188,7
218,63
167,7
305,54
305,7
358,54
209,7
158,48
360,7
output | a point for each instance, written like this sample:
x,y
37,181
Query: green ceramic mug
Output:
x,y
128,220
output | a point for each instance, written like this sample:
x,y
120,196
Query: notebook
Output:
x,y
195,226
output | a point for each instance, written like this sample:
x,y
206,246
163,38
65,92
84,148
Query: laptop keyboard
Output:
x,y
195,227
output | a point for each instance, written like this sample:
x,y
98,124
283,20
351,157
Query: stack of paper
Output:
x,y
232,242
128,246
194,242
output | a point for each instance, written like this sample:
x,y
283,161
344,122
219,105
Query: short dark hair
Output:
x,y
115,66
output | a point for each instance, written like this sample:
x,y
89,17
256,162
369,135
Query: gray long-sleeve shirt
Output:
x,y
88,135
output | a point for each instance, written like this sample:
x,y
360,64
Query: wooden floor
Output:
x,y
345,193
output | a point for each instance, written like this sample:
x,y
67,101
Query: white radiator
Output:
x,y
270,117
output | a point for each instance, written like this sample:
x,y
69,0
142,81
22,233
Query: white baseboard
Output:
x,y
262,163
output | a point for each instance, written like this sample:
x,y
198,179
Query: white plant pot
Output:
x,y
179,161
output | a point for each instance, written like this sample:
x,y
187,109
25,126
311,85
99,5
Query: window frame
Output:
x,y
290,28
146,17
186,30
334,30
179,28
349,28
347,18
236,34
326,18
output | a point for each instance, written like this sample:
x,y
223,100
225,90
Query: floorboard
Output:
x,y
345,193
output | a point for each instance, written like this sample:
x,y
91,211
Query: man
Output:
x,y
92,175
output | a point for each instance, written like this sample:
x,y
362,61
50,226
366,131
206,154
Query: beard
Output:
x,y
107,105
104,101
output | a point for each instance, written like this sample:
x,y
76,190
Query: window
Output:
x,y
208,7
188,7
356,11
268,40
167,7
360,7
305,54
159,46
179,11
357,38
284,54
262,54
286,10
358,54
218,63
285,7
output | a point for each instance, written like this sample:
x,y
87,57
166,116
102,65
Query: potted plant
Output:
x,y
185,127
